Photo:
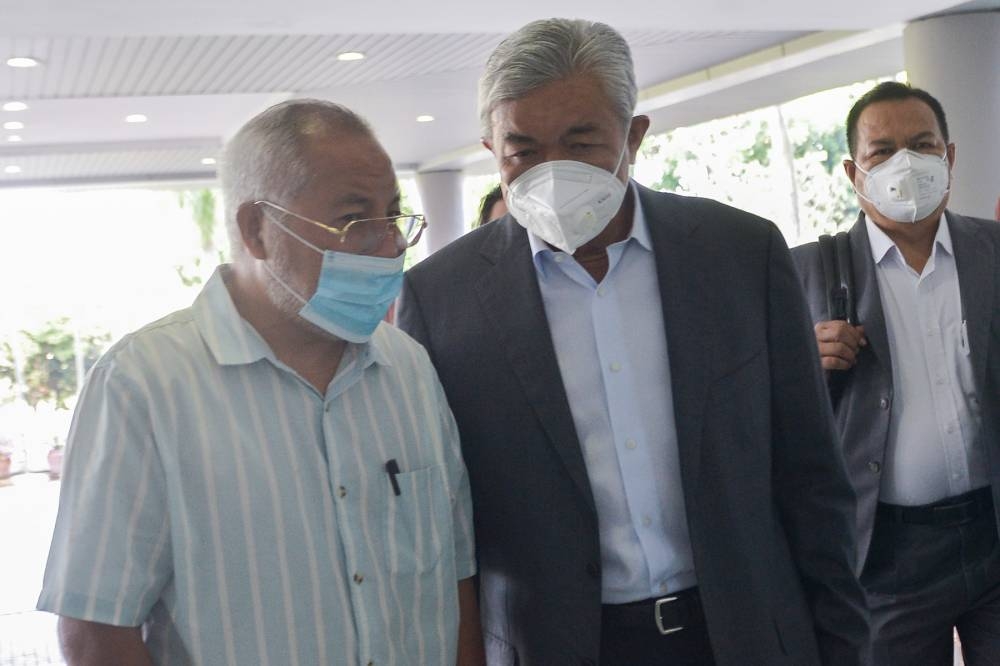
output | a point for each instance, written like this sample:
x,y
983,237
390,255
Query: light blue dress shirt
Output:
x,y
215,496
612,351
931,453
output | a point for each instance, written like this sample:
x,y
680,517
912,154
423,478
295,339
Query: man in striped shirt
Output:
x,y
270,476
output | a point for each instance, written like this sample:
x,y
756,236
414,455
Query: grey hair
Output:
x,y
266,158
553,49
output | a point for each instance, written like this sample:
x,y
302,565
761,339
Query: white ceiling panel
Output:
x,y
200,68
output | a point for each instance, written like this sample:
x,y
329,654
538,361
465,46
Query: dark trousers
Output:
x,y
929,572
631,635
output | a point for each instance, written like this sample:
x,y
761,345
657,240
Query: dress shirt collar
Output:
x,y
233,341
639,231
881,244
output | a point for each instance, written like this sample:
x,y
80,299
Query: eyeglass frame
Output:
x,y
341,234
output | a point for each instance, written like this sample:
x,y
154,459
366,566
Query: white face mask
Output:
x,y
566,203
908,186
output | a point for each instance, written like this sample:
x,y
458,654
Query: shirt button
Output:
x,y
874,466
601,291
341,491
616,366
646,521
950,427
940,381
358,578
630,444
560,257
663,587
883,403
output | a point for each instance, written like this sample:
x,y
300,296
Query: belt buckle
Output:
x,y
659,618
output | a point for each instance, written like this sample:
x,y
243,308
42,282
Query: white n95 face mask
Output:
x,y
566,203
908,186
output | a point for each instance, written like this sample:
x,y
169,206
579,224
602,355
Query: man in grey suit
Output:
x,y
914,383
653,463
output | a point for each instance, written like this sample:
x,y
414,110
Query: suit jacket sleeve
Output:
x,y
814,495
409,317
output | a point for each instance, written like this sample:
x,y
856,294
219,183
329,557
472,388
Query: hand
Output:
x,y
839,343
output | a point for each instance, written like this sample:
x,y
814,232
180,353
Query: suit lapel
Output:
x,y
869,300
975,263
688,321
512,303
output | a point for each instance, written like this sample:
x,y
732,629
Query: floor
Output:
x,y
28,504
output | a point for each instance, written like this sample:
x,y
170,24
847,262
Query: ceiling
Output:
x,y
198,69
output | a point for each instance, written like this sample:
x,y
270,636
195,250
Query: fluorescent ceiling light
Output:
x,y
208,161
425,119
136,118
22,61
14,138
347,56
13,125
12,168
14,106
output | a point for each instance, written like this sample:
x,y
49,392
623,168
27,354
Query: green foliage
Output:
x,y
828,144
202,206
741,160
49,363
760,150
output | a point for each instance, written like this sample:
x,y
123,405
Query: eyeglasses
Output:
x,y
366,236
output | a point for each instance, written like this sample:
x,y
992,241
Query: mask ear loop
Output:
x,y
302,240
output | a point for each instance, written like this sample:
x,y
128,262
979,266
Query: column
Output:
x,y
441,195
956,58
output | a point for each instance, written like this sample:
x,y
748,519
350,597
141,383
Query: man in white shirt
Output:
x,y
914,380
273,476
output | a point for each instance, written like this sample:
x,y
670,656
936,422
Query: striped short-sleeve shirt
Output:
x,y
215,497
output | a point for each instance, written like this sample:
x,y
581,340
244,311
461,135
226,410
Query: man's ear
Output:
x,y
850,168
250,220
951,153
636,133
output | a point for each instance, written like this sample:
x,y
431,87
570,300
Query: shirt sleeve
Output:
x,y
110,553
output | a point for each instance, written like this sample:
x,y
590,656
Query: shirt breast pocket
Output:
x,y
418,521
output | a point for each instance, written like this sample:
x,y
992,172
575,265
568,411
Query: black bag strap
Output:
x,y
838,276
845,270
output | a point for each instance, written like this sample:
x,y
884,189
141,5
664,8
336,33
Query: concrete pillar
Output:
x,y
441,195
956,58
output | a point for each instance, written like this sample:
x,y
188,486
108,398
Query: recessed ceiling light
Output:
x,y
208,161
13,125
12,168
14,138
14,106
136,118
425,119
22,62
347,56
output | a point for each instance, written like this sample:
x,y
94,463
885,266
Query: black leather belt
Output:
x,y
952,511
667,615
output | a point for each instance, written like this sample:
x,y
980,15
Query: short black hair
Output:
x,y
486,205
891,91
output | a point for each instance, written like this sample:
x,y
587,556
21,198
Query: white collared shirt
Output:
x,y
244,517
935,411
611,347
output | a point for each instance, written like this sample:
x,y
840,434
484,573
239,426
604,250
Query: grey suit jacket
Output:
x,y
863,396
769,507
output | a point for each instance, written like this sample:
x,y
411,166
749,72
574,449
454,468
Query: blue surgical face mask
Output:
x,y
353,293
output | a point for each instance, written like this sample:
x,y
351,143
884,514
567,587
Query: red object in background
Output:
x,y
55,462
